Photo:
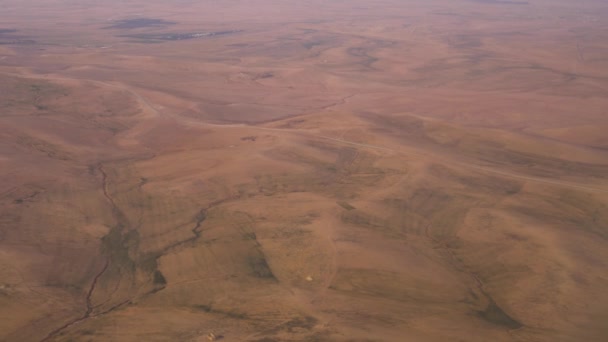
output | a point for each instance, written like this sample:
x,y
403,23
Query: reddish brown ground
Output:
x,y
312,171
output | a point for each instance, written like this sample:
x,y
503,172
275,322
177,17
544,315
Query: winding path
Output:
x,y
146,103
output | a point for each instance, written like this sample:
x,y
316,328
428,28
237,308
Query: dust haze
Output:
x,y
321,170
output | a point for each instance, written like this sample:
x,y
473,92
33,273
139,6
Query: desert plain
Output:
x,y
324,170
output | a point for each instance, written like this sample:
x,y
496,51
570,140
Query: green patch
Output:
x,y
495,315
346,205
259,266
249,236
159,278
204,307
230,314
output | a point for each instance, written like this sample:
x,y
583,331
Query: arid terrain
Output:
x,y
324,170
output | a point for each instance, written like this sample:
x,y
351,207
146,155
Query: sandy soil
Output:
x,y
270,171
